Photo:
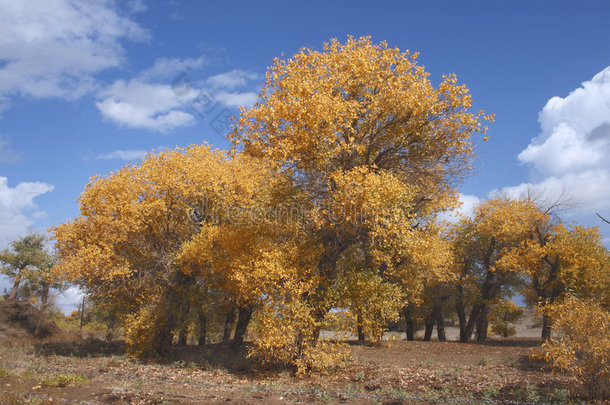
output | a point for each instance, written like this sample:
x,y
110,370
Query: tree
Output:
x,y
181,234
27,262
374,149
503,313
134,241
559,260
482,243
347,158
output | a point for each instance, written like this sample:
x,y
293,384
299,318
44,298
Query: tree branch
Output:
x,y
602,218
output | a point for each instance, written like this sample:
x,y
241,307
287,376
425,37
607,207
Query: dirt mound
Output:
x,y
18,318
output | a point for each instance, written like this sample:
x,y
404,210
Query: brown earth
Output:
x,y
398,372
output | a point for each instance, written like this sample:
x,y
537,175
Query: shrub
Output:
x,y
65,379
582,344
502,315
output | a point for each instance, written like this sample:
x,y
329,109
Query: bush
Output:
x,y
582,344
65,379
502,315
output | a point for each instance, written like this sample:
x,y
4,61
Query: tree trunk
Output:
x,y
440,322
243,319
16,285
203,325
461,312
182,337
475,313
429,328
546,328
228,328
482,325
162,341
82,312
410,323
109,328
44,297
319,316
359,328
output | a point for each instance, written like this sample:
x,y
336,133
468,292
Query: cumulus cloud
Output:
x,y
148,102
17,209
571,152
575,130
138,104
54,48
123,155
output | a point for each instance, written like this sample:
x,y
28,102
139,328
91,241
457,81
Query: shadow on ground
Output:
x,y
232,358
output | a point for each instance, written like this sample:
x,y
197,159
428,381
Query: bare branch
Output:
x,y
602,218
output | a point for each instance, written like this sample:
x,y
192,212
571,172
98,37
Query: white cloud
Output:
x,y
69,300
54,48
143,102
468,203
586,192
123,155
165,67
570,155
8,155
575,130
246,99
231,80
138,104
17,208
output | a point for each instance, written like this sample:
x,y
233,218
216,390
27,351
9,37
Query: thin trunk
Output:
x,y
228,328
359,328
507,326
475,313
461,312
203,325
482,325
440,322
162,340
109,329
16,285
82,312
44,297
182,337
319,316
243,319
546,328
410,323
429,328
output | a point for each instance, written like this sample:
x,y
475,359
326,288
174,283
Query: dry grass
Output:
x,y
67,367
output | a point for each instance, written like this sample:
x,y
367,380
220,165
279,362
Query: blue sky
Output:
x,y
86,87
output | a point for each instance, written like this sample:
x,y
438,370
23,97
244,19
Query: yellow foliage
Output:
x,y
582,346
346,160
502,314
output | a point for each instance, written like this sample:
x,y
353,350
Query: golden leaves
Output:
x,y
583,345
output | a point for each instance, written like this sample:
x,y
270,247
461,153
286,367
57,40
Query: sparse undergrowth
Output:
x,y
394,373
65,379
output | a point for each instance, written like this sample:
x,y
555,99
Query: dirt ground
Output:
x,y
66,368
399,372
